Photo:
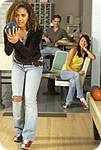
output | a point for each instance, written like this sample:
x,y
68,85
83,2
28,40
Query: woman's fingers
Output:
x,y
5,31
9,31
13,31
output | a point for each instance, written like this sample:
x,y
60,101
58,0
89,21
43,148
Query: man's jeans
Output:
x,y
49,51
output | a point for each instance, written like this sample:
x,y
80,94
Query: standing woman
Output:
x,y
26,71
72,70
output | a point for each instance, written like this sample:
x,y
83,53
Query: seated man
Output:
x,y
52,36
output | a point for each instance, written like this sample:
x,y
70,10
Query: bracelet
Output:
x,y
85,50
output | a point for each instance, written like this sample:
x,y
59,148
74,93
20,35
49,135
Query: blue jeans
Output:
x,y
49,51
74,84
25,82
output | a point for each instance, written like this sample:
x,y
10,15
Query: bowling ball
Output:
x,y
96,93
11,25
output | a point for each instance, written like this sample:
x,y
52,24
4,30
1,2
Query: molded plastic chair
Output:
x,y
58,61
60,82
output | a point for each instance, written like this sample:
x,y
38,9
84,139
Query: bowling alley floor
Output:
x,y
73,131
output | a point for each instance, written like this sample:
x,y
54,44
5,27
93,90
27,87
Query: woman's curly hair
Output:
x,y
32,23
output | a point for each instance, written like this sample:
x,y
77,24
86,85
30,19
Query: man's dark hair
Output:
x,y
57,16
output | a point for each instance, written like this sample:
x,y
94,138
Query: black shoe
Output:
x,y
18,138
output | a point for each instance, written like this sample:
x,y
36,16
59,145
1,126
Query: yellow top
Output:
x,y
76,63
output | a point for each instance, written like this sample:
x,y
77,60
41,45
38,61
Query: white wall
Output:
x,y
86,18
96,42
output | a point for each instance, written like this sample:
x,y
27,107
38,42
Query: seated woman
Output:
x,y
72,70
